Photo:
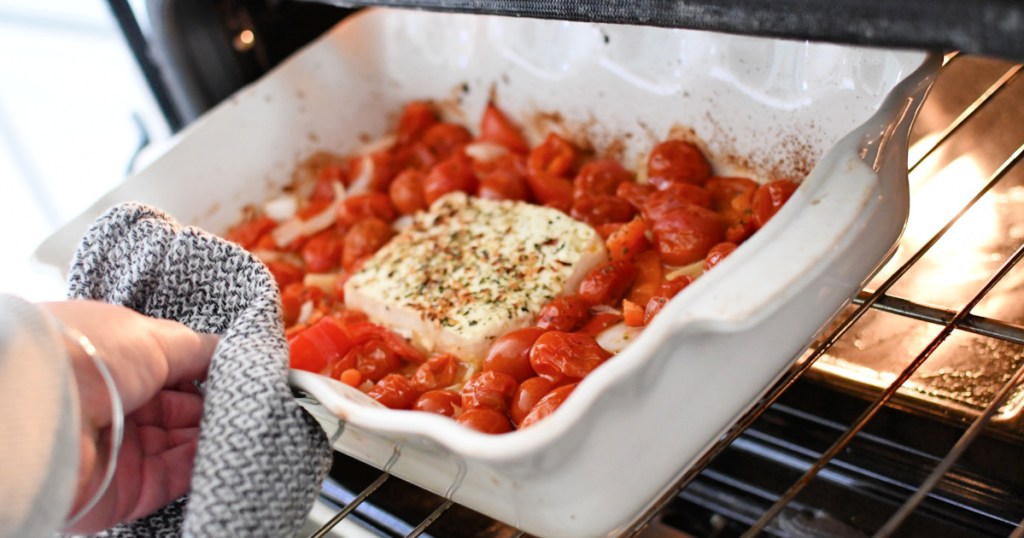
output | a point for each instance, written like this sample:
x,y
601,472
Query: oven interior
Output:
x,y
906,417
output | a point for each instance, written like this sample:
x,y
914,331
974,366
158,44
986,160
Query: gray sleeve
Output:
x,y
39,430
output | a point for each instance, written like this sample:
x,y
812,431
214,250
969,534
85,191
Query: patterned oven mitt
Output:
x,y
261,458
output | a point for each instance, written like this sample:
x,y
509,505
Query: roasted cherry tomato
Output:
x,y
322,252
490,389
607,283
363,239
285,273
444,140
674,197
676,161
685,235
526,397
371,172
601,209
663,294
649,274
362,206
442,402
769,199
717,254
321,344
374,359
551,190
724,190
437,373
601,177
634,193
504,185
362,332
553,157
293,296
547,405
485,420
406,191
629,240
496,127
560,356
394,391
566,313
417,117
454,174
598,323
248,233
326,177
510,353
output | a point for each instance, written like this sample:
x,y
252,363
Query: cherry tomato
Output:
x,y
526,397
607,283
454,174
363,206
629,240
406,191
551,190
649,274
326,177
685,235
362,332
437,373
417,117
322,344
676,161
285,273
489,389
442,402
600,177
394,391
724,190
444,139
634,193
373,358
503,185
547,405
553,157
322,252
769,199
496,127
598,323
485,420
674,197
510,353
248,233
606,230
601,209
293,296
566,313
731,198
372,172
717,254
663,294
560,356
363,239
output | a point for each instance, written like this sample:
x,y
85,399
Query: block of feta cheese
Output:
x,y
469,270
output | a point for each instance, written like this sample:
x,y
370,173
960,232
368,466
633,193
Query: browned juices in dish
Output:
x,y
479,278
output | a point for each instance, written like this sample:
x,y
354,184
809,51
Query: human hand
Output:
x,y
153,363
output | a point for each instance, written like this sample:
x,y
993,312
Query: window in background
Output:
x,y
71,105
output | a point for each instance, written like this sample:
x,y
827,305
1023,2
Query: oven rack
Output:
x,y
360,508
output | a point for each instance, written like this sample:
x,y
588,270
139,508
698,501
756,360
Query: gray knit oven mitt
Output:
x,y
261,458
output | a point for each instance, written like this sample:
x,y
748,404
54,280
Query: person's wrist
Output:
x,y
102,422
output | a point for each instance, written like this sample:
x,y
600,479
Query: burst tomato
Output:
x,y
770,198
436,373
686,234
417,117
547,405
496,127
717,254
444,140
485,420
607,283
601,177
363,239
490,389
322,252
601,209
560,356
676,161
406,191
394,391
553,157
363,206
454,174
442,402
503,185
566,313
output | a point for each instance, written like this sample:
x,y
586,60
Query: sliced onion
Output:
x,y
485,152
615,338
282,208
383,143
296,227
695,269
305,312
361,183
605,309
324,281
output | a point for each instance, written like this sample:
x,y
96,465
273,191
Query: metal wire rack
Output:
x,y
881,298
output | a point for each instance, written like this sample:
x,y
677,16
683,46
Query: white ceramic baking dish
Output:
x,y
769,108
